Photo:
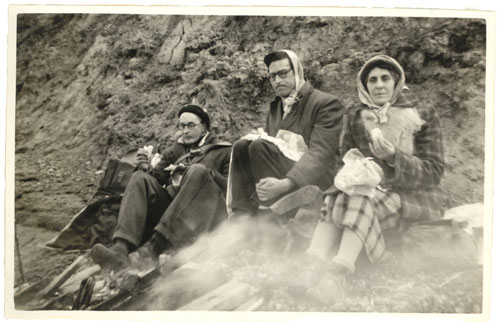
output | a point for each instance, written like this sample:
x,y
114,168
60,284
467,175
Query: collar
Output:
x,y
402,102
305,90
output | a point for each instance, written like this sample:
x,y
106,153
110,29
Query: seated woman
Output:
x,y
407,148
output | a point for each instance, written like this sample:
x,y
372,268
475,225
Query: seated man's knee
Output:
x,y
258,147
197,170
240,145
138,176
139,180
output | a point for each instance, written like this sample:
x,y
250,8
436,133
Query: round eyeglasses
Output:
x,y
189,125
282,74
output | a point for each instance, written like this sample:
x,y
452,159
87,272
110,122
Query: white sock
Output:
x,y
350,247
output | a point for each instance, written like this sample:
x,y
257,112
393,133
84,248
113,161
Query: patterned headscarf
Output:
x,y
365,97
298,72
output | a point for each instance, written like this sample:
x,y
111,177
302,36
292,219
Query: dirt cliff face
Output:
x,y
93,86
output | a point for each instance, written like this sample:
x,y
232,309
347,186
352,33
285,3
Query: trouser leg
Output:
x,y
143,203
252,161
243,181
266,160
198,206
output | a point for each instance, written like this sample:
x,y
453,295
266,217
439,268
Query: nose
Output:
x,y
379,83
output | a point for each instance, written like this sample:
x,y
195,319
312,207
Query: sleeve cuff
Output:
x,y
392,170
297,178
400,163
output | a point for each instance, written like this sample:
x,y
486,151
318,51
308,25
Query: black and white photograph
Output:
x,y
248,160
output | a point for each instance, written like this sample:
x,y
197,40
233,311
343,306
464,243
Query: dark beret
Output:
x,y
199,111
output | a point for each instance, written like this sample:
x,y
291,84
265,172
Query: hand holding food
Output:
x,y
176,168
142,159
377,135
380,147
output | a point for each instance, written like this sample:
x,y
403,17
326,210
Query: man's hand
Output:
x,y
142,159
179,168
270,187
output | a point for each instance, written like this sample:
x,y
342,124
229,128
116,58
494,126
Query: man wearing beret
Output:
x,y
262,172
168,205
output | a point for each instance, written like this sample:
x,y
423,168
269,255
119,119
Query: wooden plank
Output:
x,y
224,298
62,277
61,302
177,289
144,282
252,304
84,294
34,301
109,303
32,289
73,283
146,298
26,295
124,297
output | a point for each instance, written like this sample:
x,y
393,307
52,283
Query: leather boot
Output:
x,y
115,257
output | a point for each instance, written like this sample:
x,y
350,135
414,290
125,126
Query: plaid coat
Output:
x,y
415,178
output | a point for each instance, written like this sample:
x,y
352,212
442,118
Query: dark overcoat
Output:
x,y
317,117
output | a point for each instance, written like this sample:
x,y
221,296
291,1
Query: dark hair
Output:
x,y
276,56
383,65
199,111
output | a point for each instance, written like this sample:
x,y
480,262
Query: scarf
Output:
x,y
399,88
290,101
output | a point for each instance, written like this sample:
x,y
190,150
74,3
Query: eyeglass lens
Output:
x,y
281,74
189,125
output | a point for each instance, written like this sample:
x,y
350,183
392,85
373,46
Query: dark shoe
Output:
x,y
112,258
239,213
317,279
330,289
340,269
144,258
147,256
308,274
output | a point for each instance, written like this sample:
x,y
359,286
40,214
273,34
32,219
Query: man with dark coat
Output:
x,y
168,205
261,173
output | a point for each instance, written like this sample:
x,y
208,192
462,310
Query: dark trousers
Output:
x,y
197,205
252,161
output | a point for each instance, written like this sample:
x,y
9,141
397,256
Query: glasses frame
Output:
x,y
282,74
189,125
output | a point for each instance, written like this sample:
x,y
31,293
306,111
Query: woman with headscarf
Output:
x,y
261,172
405,141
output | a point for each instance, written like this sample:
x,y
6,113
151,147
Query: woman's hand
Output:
x,y
382,149
270,187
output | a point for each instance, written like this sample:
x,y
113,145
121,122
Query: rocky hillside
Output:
x,y
93,86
